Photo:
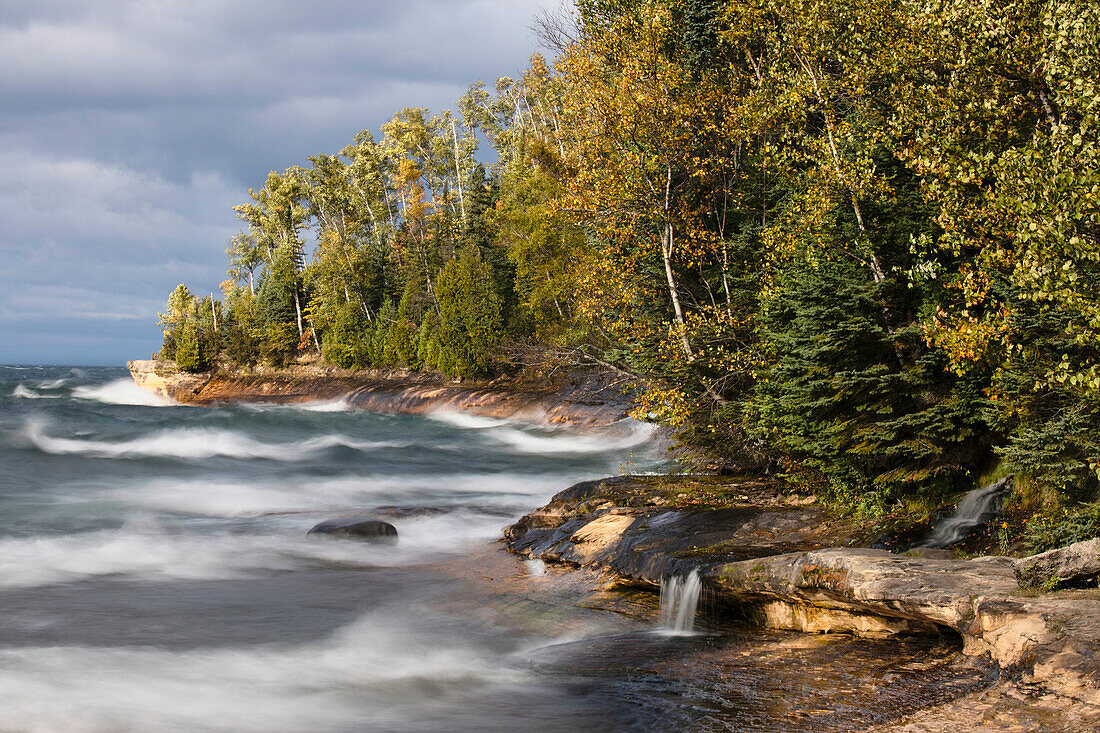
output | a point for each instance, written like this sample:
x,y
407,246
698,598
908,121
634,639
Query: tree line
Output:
x,y
853,242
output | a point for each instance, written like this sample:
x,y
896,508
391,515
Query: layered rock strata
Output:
x,y
778,561
585,400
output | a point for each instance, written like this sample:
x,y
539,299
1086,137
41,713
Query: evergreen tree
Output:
x,y
469,308
180,306
343,343
275,313
1053,427
191,352
836,396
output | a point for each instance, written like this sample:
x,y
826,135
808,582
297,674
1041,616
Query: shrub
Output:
x,y
1051,531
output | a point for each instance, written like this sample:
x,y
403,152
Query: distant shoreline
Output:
x,y
589,399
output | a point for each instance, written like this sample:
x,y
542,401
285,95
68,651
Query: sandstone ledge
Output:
x,y
585,400
776,559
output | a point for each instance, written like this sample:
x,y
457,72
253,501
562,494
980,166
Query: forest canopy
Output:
x,y
855,243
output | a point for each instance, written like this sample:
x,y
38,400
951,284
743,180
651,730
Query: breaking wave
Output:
x,y
121,392
25,393
379,672
197,443
622,436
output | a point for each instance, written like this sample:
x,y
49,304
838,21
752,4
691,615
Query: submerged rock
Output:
x,y
359,528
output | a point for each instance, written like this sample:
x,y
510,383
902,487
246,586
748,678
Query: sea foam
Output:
x,y
196,443
23,392
530,439
121,392
377,669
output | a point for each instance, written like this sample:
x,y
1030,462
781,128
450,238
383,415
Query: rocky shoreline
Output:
x,y
772,558
589,399
782,562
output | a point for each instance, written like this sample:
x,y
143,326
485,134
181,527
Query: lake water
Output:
x,y
155,574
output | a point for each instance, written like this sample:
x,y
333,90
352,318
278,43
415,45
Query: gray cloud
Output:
x,y
129,129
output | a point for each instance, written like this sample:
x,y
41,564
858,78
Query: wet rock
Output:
x,y
588,400
359,528
1053,640
166,380
645,527
928,553
770,561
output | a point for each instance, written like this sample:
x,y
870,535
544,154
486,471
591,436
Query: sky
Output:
x,y
129,129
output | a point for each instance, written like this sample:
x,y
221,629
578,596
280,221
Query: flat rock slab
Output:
x,y
359,528
770,559
588,399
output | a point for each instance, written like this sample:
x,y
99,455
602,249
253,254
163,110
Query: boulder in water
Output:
x,y
359,528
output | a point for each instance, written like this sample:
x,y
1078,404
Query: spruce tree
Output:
x,y
470,319
836,396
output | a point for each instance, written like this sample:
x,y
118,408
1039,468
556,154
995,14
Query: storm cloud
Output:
x,y
128,130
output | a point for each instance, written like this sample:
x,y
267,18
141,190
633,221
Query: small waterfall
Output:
x,y
679,601
975,509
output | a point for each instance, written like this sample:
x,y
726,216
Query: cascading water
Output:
x,y
679,601
975,509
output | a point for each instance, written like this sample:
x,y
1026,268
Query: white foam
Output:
x,y
531,443
25,393
211,497
196,443
137,551
121,392
380,671
465,419
53,384
340,405
146,550
334,494
531,440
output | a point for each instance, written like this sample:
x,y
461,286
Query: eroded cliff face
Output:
x,y
584,400
165,379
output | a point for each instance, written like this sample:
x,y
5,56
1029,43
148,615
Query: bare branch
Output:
x,y
556,29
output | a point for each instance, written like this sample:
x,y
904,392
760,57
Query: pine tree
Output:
x,y
191,352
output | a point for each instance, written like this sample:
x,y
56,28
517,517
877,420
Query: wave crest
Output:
x,y
23,392
196,443
121,392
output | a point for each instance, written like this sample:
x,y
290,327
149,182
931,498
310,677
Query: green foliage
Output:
x,y
1062,528
871,410
191,353
180,306
343,344
275,314
540,245
427,345
469,309
1053,441
856,243
402,339
239,344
